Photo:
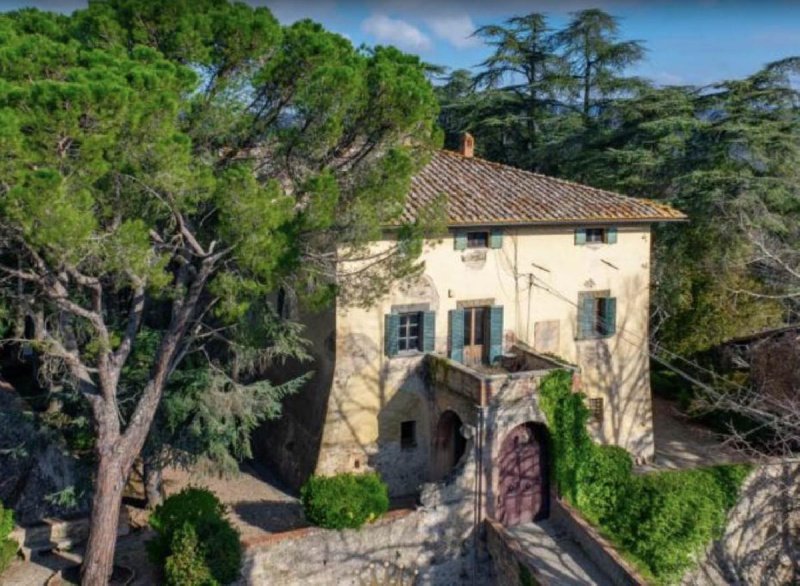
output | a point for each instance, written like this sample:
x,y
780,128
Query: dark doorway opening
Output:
x,y
449,445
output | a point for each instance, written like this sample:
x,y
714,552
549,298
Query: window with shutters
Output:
x,y
595,236
597,315
408,332
477,239
486,238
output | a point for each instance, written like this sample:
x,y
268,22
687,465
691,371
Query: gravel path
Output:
x,y
257,505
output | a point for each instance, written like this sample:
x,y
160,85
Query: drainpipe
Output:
x,y
478,500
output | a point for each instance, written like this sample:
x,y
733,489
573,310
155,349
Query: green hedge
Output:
x,y
195,544
8,547
662,521
344,500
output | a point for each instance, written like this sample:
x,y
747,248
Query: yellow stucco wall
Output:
x,y
536,276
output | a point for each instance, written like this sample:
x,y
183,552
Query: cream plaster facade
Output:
x,y
536,276
349,417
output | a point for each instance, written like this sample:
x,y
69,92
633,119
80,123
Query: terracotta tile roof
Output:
x,y
480,192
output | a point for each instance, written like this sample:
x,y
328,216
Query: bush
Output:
x,y
186,566
196,514
344,500
663,520
603,482
8,547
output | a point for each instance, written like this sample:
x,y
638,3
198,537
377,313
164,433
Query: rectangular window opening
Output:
x,y
595,235
597,315
477,239
596,409
408,434
408,332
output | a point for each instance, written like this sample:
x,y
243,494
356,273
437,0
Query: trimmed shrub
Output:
x,y
186,566
663,521
196,514
344,501
8,547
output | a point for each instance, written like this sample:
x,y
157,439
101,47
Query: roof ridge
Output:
x,y
547,177
543,176
484,191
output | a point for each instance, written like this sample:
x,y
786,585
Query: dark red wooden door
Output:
x,y
522,488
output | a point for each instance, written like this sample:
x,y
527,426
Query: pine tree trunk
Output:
x,y
153,486
98,562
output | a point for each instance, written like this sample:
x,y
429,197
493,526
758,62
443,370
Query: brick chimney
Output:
x,y
467,147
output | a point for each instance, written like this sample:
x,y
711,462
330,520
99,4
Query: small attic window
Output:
x,y
478,239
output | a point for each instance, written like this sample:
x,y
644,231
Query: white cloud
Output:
x,y
455,29
396,32
667,78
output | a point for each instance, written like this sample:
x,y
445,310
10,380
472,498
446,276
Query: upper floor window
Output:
x,y
408,331
595,235
477,239
597,315
487,238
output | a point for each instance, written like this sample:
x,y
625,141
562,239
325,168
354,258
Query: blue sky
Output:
x,y
688,41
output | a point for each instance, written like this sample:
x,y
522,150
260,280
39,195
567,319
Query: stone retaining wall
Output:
x,y
761,541
594,545
433,544
511,566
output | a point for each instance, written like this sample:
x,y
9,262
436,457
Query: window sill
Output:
x,y
595,338
408,354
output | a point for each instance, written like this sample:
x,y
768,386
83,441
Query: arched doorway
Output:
x,y
523,489
449,445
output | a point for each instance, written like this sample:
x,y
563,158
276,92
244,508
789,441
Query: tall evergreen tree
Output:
x,y
597,59
521,81
167,165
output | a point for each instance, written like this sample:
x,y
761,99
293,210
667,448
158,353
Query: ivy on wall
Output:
x,y
662,521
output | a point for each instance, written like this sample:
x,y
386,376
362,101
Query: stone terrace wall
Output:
x,y
761,542
436,540
511,565
596,548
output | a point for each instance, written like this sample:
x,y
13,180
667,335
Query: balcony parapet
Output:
x,y
516,372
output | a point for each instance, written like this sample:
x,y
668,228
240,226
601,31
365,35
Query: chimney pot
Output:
x,y
467,145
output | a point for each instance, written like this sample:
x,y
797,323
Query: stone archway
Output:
x,y
449,445
523,489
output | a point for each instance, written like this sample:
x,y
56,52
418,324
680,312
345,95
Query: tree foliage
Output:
x,y
662,521
726,154
167,168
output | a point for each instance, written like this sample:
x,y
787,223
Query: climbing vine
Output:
x,y
661,521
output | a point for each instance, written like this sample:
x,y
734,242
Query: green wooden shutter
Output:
x,y
585,316
496,238
428,331
456,319
460,240
610,318
391,323
611,236
580,235
495,333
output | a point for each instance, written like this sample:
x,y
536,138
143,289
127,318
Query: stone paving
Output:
x,y
559,559
682,444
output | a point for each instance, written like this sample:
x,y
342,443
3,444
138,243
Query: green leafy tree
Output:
x,y
169,165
